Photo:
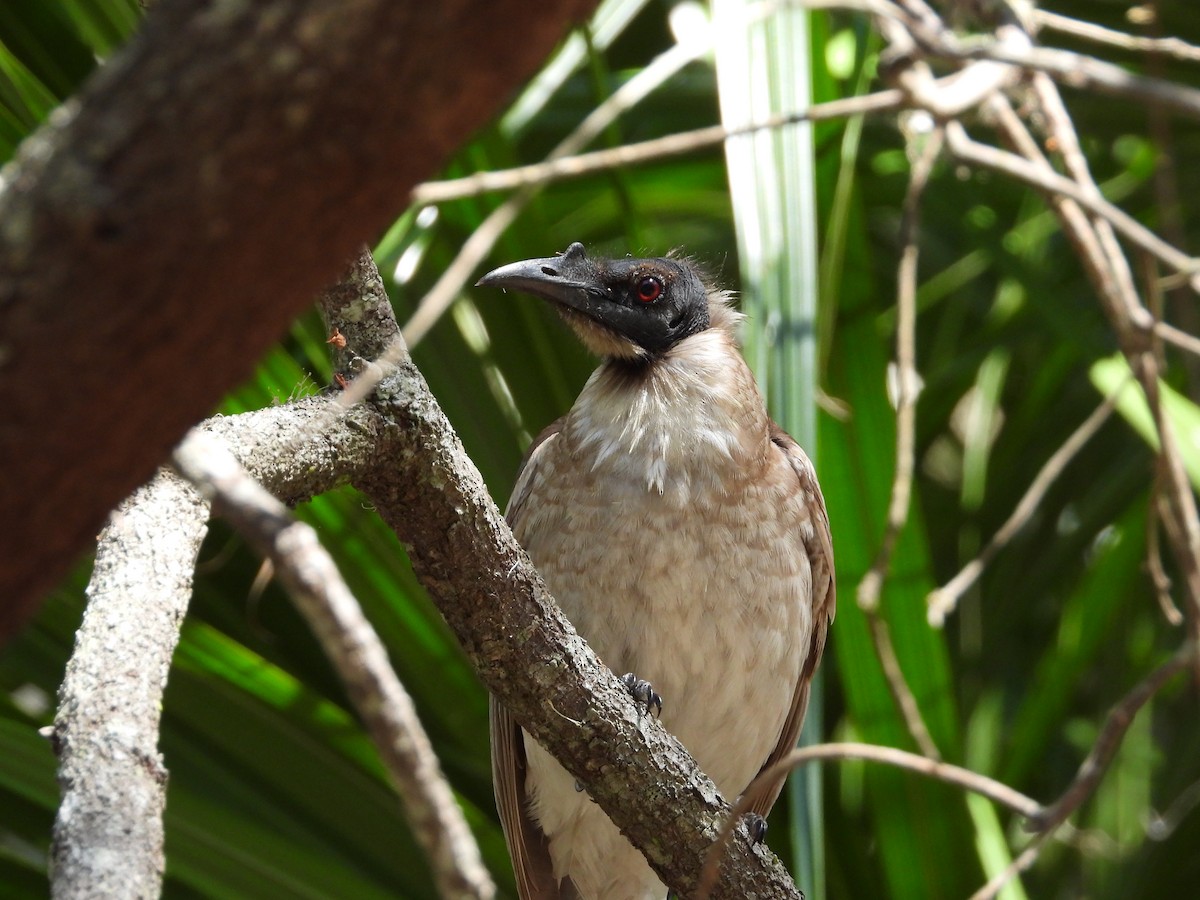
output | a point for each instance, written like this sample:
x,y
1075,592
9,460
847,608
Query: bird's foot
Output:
x,y
756,826
643,693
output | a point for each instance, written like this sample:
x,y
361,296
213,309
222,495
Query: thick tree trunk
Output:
x,y
166,226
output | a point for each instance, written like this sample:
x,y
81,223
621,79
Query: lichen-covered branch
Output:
x,y
310,576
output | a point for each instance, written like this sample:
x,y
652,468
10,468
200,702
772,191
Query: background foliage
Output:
x,y
274,789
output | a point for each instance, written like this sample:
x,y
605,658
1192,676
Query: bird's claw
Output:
x,y
643,693
756,826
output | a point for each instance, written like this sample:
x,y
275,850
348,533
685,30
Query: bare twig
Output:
x,y
954,94
1167,46
1127,316
1077,225
311,578
1133,325
1078,71
1063,136
907,389
902,695
942,601
1046,179
1120,717
1024,860
1178,337
646,151
902,759
1132,322
908,380
1154,564
1161,826
1168,199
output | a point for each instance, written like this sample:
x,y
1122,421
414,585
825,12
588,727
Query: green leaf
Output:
x,y
1113,374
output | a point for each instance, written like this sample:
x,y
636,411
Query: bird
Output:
x,y
684,535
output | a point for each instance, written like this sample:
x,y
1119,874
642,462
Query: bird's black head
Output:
x,y
624,308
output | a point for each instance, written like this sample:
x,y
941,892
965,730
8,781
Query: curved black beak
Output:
x,y
569,279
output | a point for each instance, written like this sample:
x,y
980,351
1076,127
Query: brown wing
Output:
x,y
527,845
824,600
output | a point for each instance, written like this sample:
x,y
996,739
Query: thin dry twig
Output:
x,y
1161,826
1173,47
910,32
1182,526
679,144
1044,178
1133,324
1154,563
1178,337
311,577
941,602
907,389
1119,718
1076,70
1024,860
1063,136
951,774
907,380
902,695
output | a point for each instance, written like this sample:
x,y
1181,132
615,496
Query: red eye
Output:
x,y
649,289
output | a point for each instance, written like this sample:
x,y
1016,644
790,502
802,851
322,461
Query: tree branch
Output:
x,y
316,587
941,602
645,151
907,389
208,149
108,831
1119,718
1090,31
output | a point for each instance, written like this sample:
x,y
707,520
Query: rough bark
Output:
x,y
310,576
159,234
108,834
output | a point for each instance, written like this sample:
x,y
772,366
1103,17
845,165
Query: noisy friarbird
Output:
x,y
684,535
